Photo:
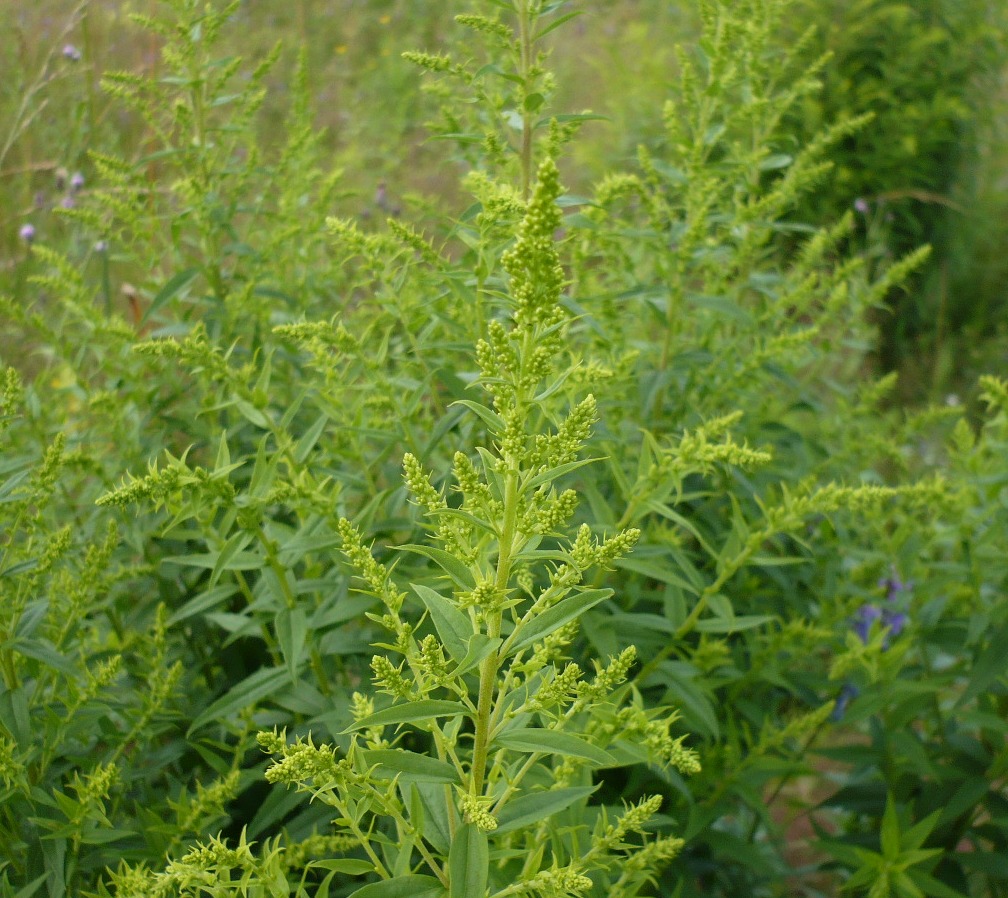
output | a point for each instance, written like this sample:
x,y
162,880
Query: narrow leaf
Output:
x,y
411,886
459,572
247,693
534,739
554,618
409,712
468,863
454,627
409,766
538,806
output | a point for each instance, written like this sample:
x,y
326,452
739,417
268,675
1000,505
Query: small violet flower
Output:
x,y
77,181
67,202
866,616
72,53
27,233
847,694
861,205
893,585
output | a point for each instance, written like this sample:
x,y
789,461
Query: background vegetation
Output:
x,y
241,279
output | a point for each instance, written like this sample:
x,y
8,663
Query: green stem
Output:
x,y
525,46
489,667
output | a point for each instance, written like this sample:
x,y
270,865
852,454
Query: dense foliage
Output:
x,y
526,542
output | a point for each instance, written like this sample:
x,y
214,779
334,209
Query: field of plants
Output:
x,y
503,448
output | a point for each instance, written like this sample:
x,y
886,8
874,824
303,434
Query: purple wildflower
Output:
x,y
71,52
866,616
847,694
893,585
895,621
77,181
67,202
861,205
101,246
27,233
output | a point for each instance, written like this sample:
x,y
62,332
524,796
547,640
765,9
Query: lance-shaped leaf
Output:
x,y
535,739
454,627
554,618
409,712
468,863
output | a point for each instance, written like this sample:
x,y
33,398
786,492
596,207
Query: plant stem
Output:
x,y
489,667
525,47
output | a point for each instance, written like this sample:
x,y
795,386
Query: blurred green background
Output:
x,y
932,167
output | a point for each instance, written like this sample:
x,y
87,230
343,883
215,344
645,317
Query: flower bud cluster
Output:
x,y
558,691
303,763
374,574
485,596
549,513
474,810
94,788
633,724
430,61
11,769
320,338
491,27
564,446
533,263
653,856
633,820
316,846
501,202
513,439
550,650
389,679
415,242
420,485
156,486
609,677
560,882
432,662
586,551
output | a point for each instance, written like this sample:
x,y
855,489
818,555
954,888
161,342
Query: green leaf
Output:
x,y
409,766
538,806
452,625
175,285
554,618
987,668
468,863
437,829
459,572
890,832
235,544
936,888
480,645
350,866
556,473
779,160
556,23
32,887
310,438
409,712
41,650
490,418
248,692
291,628
551,742
411,886
732,624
